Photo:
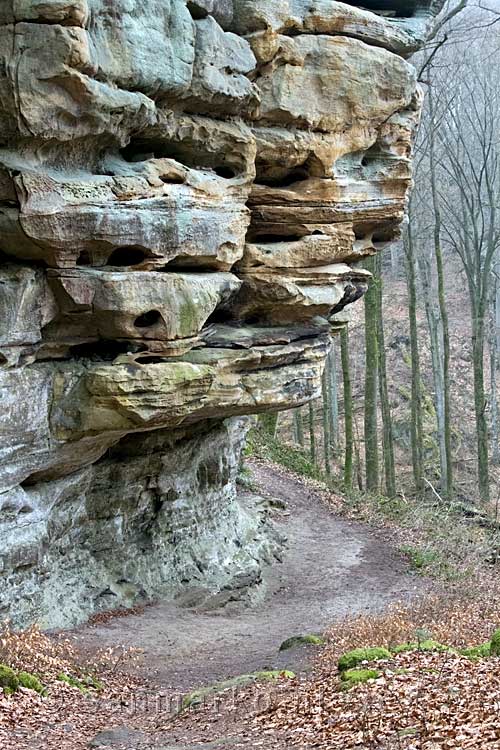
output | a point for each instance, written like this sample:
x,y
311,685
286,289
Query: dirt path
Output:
x,y
332,568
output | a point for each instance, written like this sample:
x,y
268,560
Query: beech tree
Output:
x,y
470,194
371,379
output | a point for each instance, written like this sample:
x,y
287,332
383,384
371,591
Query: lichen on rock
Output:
x,y
185,189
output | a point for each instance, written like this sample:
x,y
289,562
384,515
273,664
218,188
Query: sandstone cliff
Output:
x,y
186,187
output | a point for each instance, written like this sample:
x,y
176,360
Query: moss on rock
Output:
x,y
300,640
427,645
351,659
31,682
9,681
495,643
352,677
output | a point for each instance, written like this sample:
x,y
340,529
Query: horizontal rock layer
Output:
x,y
186,191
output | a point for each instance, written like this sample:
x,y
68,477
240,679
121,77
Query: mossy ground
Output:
x,y
352,658
352,677
301,640
72,682
11,680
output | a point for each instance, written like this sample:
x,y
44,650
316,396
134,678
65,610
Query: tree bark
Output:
x,y
299,430
371,368
447,480
388,438
348,416
312,435
326,422
269,423
416,430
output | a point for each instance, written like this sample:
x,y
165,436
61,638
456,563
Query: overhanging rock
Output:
x,y
186,189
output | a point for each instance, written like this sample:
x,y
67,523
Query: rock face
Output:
x,y
184,187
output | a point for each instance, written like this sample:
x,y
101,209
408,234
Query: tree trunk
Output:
x,y
348,418
299,430
371,367
447,479
480,402
495,448
326,421
312,436
416,389
269,423
388,439
333,390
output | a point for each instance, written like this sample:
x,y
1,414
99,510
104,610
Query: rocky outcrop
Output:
x,y
186,188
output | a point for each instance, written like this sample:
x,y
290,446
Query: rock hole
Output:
x,y
196,12
187,153
173,179
391,8
226,172
296,175
148,319
267,239
151,360
100,350
126,256
3,360
83,259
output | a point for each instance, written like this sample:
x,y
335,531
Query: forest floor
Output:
x,y
333,568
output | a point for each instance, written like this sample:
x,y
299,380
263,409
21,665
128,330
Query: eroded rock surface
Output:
x,y
186,188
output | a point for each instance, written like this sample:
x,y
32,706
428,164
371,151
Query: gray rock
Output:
x,y
183,185
117,736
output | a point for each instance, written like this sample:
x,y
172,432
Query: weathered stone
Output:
x,y
170,515
133,216
303,293
401,35
181,185
94,304
353,83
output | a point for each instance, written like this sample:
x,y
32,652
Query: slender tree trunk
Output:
x,y
495,448
299,430
334,399
416,389
447,479
480,402
326,422
435,336
388,439
371,368
312,435
269,423
348,418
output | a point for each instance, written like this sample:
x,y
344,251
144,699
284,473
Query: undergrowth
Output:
x,y
442,540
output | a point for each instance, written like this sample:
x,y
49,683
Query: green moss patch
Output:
x,y
352,677
72,682
10,681
495,643
427,645
352,658
300,640
476,652
31,682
